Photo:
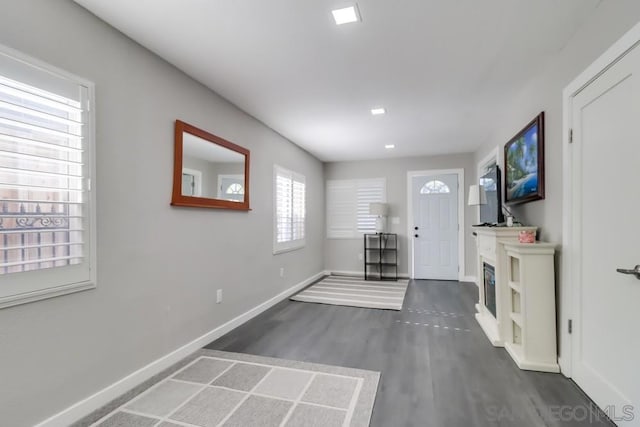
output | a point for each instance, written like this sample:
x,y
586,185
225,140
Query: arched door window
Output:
x,y
235,188
435,187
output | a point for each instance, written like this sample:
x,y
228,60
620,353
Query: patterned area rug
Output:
x,y
215,388
355,292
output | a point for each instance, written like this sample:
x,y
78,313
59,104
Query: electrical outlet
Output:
x,y
360,257
219,296
281,271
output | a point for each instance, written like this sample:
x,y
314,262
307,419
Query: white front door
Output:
x,y
231,187
606,158
435,228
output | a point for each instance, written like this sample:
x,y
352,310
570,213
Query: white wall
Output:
x,y
544,93
158,266
342,254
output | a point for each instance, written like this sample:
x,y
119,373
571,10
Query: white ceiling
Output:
x,y
443,69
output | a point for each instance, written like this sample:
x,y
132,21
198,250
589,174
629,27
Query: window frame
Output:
x,y
30,286
197,180
355,229
289,245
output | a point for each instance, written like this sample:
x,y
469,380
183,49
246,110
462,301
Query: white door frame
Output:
x,y
493,155
570,302
461,188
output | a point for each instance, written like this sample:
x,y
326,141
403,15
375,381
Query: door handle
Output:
x,y
635,271
415,235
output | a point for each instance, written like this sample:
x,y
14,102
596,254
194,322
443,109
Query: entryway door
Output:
x,y
606,236
231,187
435,228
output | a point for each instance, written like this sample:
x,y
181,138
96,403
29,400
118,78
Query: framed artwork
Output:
x,y
524,164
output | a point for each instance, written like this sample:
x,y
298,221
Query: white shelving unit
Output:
x,y
530,333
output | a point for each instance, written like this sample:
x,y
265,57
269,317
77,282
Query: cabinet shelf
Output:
x,y
515,286
517,318
531,333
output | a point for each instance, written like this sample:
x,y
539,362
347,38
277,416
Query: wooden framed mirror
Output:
x,y
209,171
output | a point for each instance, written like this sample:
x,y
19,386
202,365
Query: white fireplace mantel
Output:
x,y
490,243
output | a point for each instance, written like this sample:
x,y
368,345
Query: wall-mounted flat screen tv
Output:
x,y
524,164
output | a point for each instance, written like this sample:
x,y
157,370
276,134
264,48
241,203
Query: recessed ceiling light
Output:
x,y
389,146
346,15
378,111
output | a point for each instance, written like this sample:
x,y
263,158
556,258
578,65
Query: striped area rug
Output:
x,y
354,292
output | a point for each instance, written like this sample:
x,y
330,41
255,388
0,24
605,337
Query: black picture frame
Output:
x,y
524,164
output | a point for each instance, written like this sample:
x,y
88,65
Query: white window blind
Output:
x,y
369,191
348,206
290,210
341,209
44,202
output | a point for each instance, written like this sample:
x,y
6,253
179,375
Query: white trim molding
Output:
x,y
493,155
85,407
570,302
461,209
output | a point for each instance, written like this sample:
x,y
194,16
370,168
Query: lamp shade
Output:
x,y
477,195
378,209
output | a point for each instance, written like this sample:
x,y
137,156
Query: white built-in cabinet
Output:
x,y
531,328
516,307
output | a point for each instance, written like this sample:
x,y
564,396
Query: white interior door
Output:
x,y
606,159
435,230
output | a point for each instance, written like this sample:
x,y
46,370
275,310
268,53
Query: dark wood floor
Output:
x,y
431,376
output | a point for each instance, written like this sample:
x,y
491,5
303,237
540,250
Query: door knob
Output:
x,y
635,271
415,235
415,228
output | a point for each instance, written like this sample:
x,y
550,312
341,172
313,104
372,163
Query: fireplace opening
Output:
x,y
489,287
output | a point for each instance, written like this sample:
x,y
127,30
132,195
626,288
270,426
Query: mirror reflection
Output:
x,y
211,171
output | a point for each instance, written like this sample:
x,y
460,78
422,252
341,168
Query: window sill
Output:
x,y
28,297
289,249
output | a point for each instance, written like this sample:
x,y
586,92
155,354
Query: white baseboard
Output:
x,y
106,395
400,275
357,273
564,368
344,273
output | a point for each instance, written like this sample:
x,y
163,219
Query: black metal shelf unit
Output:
x,y
381,256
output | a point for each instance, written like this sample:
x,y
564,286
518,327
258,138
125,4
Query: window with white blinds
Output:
x,y
290,210
45,242
348,206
